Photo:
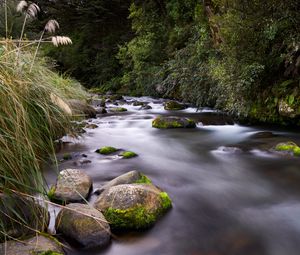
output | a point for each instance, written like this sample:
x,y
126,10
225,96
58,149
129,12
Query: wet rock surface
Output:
x,y
38,245
173,122
133,206
84,225
72,185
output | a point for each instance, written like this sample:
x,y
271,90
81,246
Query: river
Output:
x,y
224,202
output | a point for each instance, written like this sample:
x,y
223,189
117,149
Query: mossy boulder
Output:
x,y
133,206
173,122
106,150
118,109
174,106
38,245
288,148
72,185
127,178
128,154
20,215
83,225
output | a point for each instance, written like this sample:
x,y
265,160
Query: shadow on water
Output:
x,y
242,202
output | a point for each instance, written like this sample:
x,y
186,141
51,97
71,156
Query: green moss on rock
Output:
x,y
144,179
132,218
106,150
173,122
48,253
288,147
128,154
165,200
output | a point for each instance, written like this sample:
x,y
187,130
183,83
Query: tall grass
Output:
x,y
29,120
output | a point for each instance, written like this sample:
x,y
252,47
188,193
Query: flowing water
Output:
x,y
225,202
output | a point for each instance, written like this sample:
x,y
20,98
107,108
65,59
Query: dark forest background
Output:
x,y
236,55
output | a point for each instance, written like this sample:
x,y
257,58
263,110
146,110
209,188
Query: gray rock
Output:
x,y
133,206
15,210
262,135
36,245
83,224
72,185
146,107
127,178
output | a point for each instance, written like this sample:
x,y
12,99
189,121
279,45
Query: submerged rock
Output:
x,y
262,135
106,150
118,109
127,178
128,154
174,106
173,122
288,148
84,225
133,206
138,103
146,107
38,245
72,185
19,215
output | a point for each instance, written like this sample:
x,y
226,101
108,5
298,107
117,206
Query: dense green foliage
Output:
x,y
239,56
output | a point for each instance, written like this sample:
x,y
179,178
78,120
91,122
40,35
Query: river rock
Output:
x,y
118,109
127,178
133,206
101,110
72,185
81,107
76,223
262,135
174,106
33,246
173,122
91,126
138,103
288,148
146,107
15,210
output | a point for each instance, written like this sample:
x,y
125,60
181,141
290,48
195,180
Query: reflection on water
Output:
x,y
242,202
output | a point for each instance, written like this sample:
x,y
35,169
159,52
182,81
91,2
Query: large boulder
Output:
x,y
84,225
20,216
173,122
174,106
288,148
38,245
81,107
133,206
72,185
127,178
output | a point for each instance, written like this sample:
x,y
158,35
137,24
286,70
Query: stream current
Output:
x,y
225,201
